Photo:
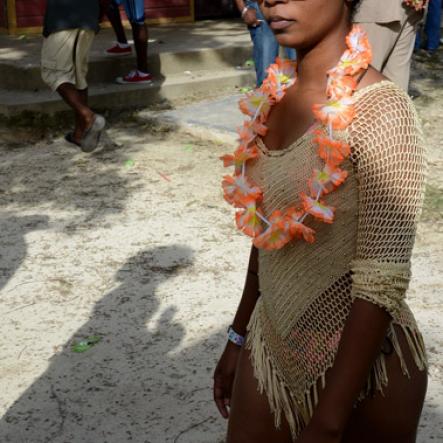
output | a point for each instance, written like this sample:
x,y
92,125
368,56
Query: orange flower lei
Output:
x,y
418,5
336,114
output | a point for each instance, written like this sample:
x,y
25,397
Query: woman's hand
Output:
x,y
224,378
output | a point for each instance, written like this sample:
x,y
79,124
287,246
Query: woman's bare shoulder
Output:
x,y
371,77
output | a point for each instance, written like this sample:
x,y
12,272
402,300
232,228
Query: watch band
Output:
x,y
235,338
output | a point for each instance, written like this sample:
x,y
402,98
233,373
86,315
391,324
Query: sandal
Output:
x,y
92,135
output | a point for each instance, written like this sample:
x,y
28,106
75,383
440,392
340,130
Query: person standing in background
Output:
x,y
135,11
265,46
391,27
69,30
432,30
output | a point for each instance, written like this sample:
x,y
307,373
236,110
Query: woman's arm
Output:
x,y
389,151
250,295
225,371
359,347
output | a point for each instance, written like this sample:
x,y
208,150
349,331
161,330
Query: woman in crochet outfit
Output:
x,y
332,351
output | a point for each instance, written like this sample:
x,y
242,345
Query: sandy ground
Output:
x,y
134,244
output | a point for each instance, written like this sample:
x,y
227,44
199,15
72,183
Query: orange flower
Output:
x,y
240,156
238,189
285,71
340,86
352,62
256,104
332,151
246,133
325,181
273,87
358,41
247,219
317,208
281,75
259,128
337,114
276,236
297,228
418,5
287,67
249,131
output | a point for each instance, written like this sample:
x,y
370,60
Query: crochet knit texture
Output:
x,y
307,289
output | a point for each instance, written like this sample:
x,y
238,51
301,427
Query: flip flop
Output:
x,y
69,137
92,135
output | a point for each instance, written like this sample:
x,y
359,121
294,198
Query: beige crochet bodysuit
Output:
x,y
307,289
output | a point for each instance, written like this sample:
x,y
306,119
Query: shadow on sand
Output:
x,y
13,249
136,384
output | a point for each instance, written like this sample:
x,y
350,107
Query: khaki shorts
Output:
x,y
65,58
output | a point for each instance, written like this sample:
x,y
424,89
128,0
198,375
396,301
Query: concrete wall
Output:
x,y
167,8
2,13
29,12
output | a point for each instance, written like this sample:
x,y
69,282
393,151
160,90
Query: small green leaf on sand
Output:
x,y
86,344
249,63
129,163
245,90
188,148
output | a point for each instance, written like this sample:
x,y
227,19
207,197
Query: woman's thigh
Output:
x,y
251,420
392,417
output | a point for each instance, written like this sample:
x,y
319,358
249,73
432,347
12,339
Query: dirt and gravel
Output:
x,y
134,245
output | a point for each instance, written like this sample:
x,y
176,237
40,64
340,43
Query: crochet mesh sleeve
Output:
x,y
388,153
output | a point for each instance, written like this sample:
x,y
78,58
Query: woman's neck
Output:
x,y
313,63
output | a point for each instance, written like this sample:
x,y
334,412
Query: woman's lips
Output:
x,y
279,23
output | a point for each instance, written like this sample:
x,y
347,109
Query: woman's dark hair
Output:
x,y
354,6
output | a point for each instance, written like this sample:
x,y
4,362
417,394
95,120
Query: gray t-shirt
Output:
x,y
71,14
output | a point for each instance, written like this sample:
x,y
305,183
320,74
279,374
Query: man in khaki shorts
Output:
x,y
69,30
391,26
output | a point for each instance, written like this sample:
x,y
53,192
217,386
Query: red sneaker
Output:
x,y
118,50
135,77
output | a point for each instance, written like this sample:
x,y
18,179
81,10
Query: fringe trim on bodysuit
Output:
x,y
298,412
270,382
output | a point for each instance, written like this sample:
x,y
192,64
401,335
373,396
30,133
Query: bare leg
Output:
x,y
389,418
140,34
83,96
77,100
394,417
79,122
250,418
113,14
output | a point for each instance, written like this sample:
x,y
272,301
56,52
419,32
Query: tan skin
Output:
x,y
318,33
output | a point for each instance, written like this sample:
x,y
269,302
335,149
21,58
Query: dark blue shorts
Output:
x,y
135,10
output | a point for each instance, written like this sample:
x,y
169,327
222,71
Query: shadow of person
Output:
x,y
115,390
13,247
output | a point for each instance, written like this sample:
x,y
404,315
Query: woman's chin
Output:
x,y
287,41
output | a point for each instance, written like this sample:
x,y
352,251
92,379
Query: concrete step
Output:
x,y
106,69
197,84
173,49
